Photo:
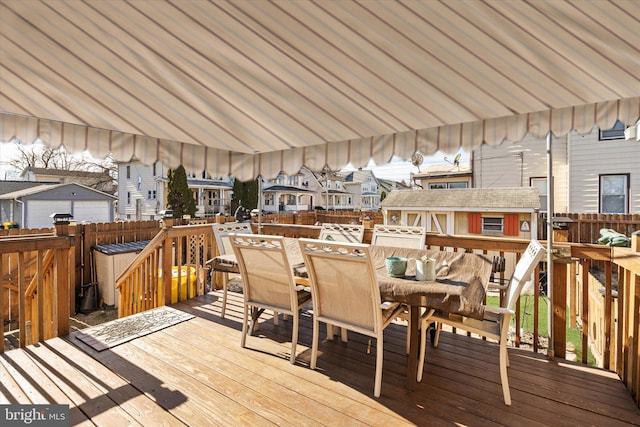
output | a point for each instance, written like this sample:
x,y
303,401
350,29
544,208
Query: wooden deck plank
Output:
x,y
195,373
267,399
131,400
79,390
473,378
10,391
357,403
37,386
296,390
187,400
538,380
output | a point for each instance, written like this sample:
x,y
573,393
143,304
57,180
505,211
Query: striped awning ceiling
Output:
x,y
254,87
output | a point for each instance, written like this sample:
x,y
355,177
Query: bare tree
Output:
x,y
42,156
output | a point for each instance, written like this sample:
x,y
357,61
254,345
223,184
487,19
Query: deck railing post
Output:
x,y
167,262
559,303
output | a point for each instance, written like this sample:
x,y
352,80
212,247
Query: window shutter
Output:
x,y
475,223
511,223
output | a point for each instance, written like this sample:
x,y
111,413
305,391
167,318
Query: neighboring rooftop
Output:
x,y
444,170
12,186
62,172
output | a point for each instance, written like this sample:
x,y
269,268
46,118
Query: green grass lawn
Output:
x,y
526,323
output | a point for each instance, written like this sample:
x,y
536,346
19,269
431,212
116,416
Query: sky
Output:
x,y
397,170
401,170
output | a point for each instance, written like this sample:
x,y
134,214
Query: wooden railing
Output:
x,y
627,337
35,285
180,249
36,271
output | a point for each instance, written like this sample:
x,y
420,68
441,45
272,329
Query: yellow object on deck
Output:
x,y
187,280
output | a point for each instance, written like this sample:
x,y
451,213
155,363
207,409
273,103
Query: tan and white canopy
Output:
x,y
248,87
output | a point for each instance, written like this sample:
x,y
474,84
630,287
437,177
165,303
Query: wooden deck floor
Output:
x,y
195,373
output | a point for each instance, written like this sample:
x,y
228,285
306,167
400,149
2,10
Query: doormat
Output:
x,y
119,331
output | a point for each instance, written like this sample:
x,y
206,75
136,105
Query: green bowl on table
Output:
x,y
396,266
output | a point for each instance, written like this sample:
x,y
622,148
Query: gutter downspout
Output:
x,y
13,213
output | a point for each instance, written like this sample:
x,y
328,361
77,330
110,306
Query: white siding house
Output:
x,y
523,164
590,175
604,175
142,191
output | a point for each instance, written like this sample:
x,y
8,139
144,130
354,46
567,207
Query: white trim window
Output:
x,y
614,193
448,184
616,132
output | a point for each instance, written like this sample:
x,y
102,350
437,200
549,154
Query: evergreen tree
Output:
x,y
251,194
180,197
238,194
245,194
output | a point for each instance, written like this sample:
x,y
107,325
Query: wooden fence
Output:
x,y
585,228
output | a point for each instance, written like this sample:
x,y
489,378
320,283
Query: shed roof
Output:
x,y
524,199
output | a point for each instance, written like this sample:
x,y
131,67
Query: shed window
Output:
x,y
492,224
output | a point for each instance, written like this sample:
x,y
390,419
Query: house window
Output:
x,y
443,185
151,194
492,224
128,172
154,169
614,193
457,184
128,197
616,132
541,185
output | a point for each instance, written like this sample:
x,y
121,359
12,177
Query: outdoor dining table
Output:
x,y
459,288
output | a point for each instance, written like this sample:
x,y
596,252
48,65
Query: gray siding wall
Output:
x,y
513,164
589,158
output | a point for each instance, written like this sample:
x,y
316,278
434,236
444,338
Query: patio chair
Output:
x,y
268,282
402,236
226,255
495,324
353,233
346,294
399,235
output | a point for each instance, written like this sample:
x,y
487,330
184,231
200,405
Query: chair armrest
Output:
x,y
498,310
